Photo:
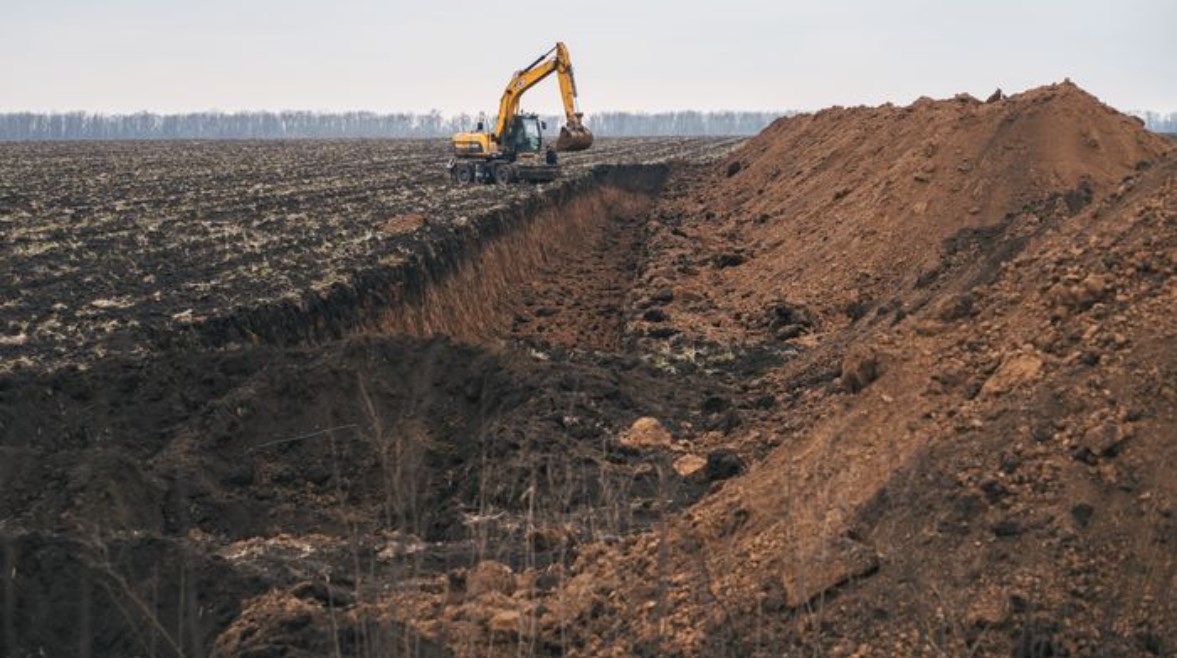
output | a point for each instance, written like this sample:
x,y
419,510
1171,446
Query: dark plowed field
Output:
x,y
115,247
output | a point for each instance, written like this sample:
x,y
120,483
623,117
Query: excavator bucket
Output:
x,y
574,138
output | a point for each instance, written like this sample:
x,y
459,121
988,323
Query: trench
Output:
x,y
466,399
460,279
560,279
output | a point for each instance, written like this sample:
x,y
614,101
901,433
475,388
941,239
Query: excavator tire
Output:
x,y
504,173
463,173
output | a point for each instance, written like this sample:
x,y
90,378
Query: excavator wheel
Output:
x,y
503,173
464,173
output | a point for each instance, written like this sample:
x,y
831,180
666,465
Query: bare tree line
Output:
x,y
17,126
1157,122
317,125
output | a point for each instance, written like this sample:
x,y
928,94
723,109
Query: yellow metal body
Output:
x,y
474,144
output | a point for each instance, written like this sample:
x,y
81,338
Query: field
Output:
x,y
152,428
893,381
111,244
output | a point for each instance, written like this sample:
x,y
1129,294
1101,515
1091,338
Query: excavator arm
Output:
x,y
573,135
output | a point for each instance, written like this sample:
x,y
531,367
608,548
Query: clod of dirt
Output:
x,y
715,404
836,565
860,368
1083,294
505,625
688,465
1082,513
406,223
663,295
786,314
646,432
1018,369
655,315
957,307
723,464
730,259
324,593
490,576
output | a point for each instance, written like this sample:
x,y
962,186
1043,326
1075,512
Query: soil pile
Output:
x,y
968,456
841,210
992,287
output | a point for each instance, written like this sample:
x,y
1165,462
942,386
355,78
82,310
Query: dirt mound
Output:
x,y
1007,270
969,454
842,209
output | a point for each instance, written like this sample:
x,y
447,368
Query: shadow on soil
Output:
x,y
137,496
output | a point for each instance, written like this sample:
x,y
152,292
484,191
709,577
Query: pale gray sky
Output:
x,y
456,55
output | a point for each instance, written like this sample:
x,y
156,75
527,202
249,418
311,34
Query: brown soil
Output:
x,y
841,210
884,382
971,455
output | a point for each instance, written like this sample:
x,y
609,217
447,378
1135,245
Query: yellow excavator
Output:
x,y
514,149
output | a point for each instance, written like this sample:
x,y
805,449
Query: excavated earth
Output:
x,y
891,381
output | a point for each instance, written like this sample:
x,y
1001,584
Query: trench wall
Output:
x,y
455,277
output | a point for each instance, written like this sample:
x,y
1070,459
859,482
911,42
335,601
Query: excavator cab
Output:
x,y
525,134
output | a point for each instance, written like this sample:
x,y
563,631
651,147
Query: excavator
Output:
x,y
514,149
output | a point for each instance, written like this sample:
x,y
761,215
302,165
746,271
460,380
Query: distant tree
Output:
x,y
292,124
1157,122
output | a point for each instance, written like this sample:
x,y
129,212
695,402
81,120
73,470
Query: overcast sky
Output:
x,y
456,55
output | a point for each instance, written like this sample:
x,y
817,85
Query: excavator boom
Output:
x,y
573,135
